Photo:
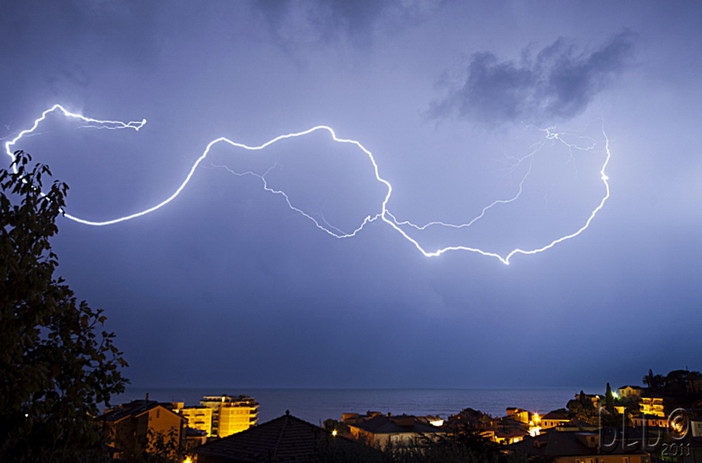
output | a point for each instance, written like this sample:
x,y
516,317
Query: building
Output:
x,y
630,392
509,430
574,447
696,427
577,425
229,414
392,432
649,421
357,418
284,439
143,425
199,418
506,436
193,438
652,405
519,414
553,419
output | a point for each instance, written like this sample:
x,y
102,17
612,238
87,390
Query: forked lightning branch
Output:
x,y
382,215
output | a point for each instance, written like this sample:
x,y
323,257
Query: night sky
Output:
x,y
459,105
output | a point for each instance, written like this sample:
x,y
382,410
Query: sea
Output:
x,y
317,405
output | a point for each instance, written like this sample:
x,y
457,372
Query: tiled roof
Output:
x,y
561,443
509,433
576,423
133,408
396,424
555,415
286,438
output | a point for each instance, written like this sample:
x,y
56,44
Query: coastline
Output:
x,y
317,405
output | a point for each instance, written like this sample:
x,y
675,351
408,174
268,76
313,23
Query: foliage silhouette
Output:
x,y
56,363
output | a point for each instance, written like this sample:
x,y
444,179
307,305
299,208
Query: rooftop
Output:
x,y
564,443
286,438
384,424
133,408
555,415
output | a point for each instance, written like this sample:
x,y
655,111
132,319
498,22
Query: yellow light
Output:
x,y
334,433
188,460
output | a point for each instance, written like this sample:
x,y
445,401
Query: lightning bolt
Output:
x,y
383,214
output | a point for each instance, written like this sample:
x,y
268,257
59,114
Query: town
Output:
x,y
658,421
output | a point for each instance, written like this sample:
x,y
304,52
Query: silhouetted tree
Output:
x,y
56,365
582,409
340,427
609,399
470,420
153,447
654,382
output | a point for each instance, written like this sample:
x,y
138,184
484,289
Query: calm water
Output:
x,y
316,405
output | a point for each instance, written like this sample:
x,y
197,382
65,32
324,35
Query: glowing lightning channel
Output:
x,y
505,259
332,230
484,210
384,214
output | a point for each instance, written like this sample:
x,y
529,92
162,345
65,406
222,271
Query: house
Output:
x,y
508,436
519,414
630,392
553,419
143,425
357,418
509,430
574,447
284,439
391,432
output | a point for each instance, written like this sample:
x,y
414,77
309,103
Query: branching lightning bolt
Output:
x,y
383,214
482,212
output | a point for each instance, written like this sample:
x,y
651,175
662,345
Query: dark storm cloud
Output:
x,y
55,47
559,83
230,264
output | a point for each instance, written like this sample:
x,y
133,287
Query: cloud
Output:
x,y
321,21
56,48
558,83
